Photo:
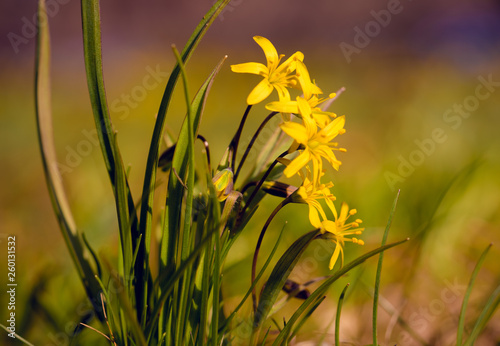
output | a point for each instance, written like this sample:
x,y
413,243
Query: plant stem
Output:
x,y
259,185
259,243
252,141
233,146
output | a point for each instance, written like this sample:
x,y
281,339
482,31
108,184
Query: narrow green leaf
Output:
x,y
324,287
486,314
130,314
127,216
306,316
337,317
278,276
167,281
180,165
379,272
475,272
152,161
72,238
257,278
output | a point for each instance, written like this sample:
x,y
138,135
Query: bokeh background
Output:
x,y
422,104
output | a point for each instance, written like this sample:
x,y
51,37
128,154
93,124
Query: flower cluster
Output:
x,y
313,131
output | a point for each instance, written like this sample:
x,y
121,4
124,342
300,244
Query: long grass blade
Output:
x,y
72,238
257,278
125,208
379,272
153,155
278,276
475,272
308,314
486,314
324,287
337,317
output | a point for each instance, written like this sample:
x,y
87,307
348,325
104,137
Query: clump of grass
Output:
x,y
208,207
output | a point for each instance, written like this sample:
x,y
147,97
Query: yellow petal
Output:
x,y
269,50
290,64
283,106
335,256
308,88
334,128
251,67
283,93
314,217
299,162
296,131
260,92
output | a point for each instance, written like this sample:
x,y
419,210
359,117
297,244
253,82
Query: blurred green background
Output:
x,y
422,104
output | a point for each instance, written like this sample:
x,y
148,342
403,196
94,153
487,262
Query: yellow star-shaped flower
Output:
x,y
322,118
339,230
276,76
311,193
315,144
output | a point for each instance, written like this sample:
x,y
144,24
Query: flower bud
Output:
x,y
278,189
223,183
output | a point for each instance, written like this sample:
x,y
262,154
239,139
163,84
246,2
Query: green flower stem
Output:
x,y
233,146
252,141
259,243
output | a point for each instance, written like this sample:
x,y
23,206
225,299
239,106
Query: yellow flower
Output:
x,y
311,193
276,76
322,118
308,87
339,230
223,183
316,144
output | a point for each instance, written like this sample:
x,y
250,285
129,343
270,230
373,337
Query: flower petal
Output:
x,y
335,256
296,131
299,162
331,130
308,87
290,64
260,92
269,50
251,67
283,106
314,216
283,93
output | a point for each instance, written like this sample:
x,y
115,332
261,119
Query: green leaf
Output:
x,y
379,272
125,208
488,310
324,287
278,276
308,314
152,161
254,283
72,238
475,272
180,165
337,317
